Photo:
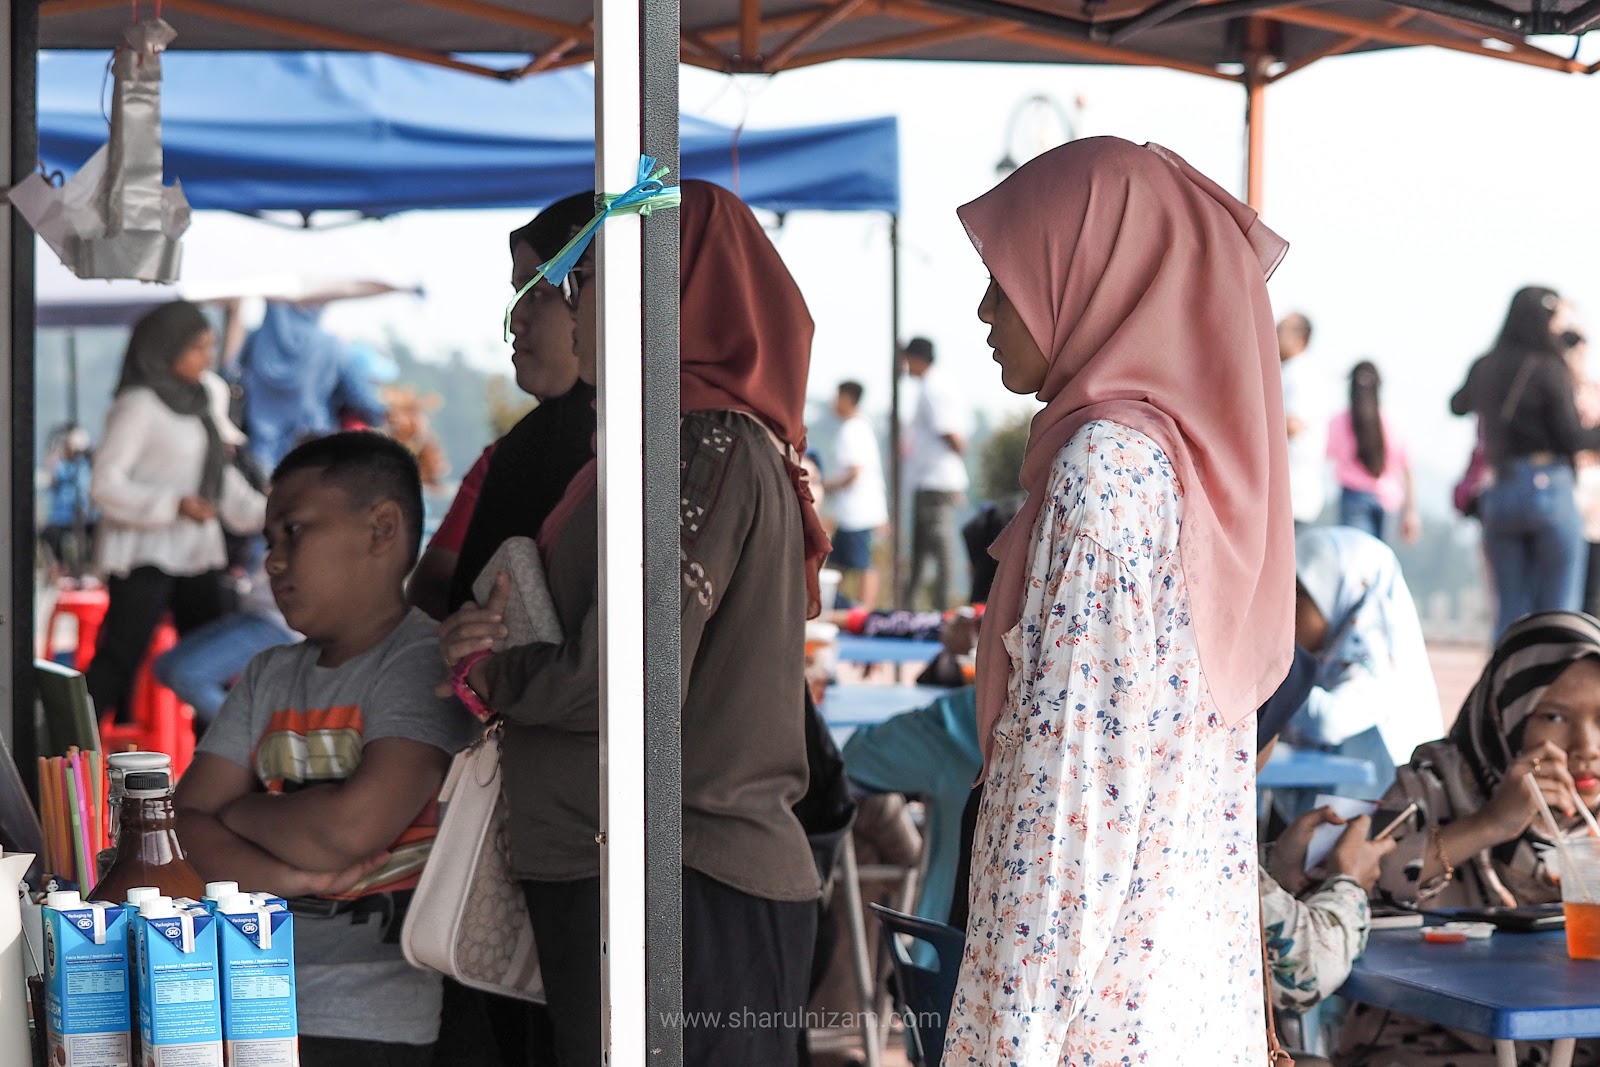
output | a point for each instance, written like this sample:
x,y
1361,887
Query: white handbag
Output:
x,y
468,918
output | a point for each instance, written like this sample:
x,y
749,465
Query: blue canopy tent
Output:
x,y
314,131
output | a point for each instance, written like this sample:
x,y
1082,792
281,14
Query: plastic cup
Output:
x,y
828,587
1580,897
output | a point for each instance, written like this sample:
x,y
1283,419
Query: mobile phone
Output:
x,y
1390,821
1525,919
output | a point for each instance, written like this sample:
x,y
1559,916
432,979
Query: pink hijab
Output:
x,y
1144,284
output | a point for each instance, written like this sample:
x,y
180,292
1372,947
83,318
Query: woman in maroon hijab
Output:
x,y
750,548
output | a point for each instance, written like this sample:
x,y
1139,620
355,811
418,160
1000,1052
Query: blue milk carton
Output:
x,y
86,982
255,947
180,1011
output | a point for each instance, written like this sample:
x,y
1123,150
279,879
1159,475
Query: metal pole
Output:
x,y
620,445
663,704
20,25
896,465
1257,67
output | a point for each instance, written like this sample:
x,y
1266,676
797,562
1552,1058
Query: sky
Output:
x,y
1418,190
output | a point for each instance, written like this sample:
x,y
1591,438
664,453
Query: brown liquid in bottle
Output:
x,y
148,852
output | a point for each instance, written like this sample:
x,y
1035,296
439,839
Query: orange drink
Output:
x,y
1583,930
1580,896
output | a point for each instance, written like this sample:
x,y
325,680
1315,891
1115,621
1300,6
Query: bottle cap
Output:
x,y
237,904
141,893
218,891
63,898
158,908
147,785
139,761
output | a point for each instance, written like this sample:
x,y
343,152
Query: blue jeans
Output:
x,y
1361,510
200,667
1533,536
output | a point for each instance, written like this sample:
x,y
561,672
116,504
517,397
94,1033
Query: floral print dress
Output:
x,y
1114,907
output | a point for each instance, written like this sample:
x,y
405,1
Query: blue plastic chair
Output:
x,y
924,995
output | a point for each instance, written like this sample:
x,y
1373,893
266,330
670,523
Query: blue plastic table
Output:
x,y
849,706
1512,987
854,648
1291,768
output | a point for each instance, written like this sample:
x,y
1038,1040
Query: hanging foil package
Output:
x,y
114,218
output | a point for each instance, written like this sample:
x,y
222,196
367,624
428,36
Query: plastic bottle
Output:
x,y
148,851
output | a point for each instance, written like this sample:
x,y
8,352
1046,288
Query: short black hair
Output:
x,y
852,390
920,347
369,468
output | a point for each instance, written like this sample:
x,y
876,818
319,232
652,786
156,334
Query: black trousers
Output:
x,y
746,966
137,603
341,1052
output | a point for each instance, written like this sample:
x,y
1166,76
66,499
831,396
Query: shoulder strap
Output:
x,y
1518,385
1276,1056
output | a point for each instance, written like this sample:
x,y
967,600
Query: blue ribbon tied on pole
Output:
x,y
649,194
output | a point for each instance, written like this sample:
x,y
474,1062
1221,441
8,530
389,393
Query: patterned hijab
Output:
x,y
158,339
1531,655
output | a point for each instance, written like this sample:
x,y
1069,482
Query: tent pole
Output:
x,y
1257,67
19,23
663,704
623,866
896,467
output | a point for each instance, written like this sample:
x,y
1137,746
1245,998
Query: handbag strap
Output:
x,y
1514,396
1276,1056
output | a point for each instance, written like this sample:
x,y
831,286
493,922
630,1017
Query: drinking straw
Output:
x,y
74,826
85,845
47,815
102,800
1588,816
1568,863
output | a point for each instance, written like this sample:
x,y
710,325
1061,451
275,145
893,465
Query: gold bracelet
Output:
x,y
1435,885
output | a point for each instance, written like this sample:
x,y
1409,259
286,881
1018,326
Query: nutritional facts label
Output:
x,y
185,991
262,987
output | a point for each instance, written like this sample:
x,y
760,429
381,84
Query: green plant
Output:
x,y
1000,458
507,404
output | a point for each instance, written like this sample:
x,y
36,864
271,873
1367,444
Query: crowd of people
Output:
x,y
1158,588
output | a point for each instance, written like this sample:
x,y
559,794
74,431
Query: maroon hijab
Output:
x,y
744,344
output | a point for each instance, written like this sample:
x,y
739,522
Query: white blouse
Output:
x,y
151,458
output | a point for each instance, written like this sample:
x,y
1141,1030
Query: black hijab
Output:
x,y
158,339
533,463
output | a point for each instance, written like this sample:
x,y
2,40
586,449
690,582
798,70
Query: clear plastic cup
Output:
x,y
1580,897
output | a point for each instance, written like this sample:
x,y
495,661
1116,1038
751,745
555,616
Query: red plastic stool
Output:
x,y
87,607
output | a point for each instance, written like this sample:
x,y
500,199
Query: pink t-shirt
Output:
x,y
1390,486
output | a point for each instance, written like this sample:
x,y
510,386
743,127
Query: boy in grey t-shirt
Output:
x,y
319,779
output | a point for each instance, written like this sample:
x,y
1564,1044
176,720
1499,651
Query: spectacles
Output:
x,y
570,287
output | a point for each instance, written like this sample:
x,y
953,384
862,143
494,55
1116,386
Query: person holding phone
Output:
x,y
1482,841
1374,697
1315,922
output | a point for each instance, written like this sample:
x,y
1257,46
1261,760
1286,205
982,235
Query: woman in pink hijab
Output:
x,y
1143,609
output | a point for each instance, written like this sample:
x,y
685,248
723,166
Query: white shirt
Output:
x,y
151,458
933,464
1308,449
861,505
